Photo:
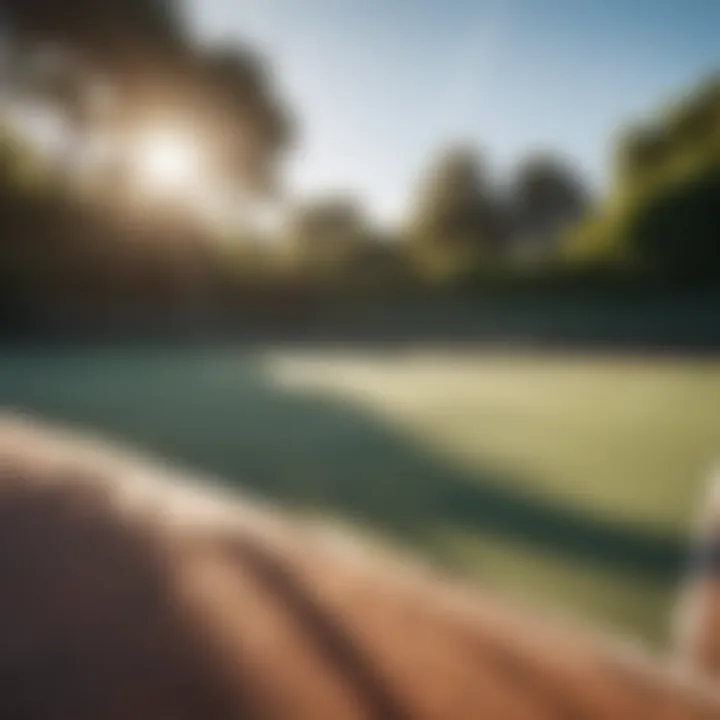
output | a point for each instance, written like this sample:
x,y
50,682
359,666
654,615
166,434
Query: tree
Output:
x,y
641,153
457,222
547,198
675,234
684,134
102,32
326,236
661,219
695,120
63,51
141,50
137,51
246,122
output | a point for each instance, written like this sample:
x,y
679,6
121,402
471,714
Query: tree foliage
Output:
x,y
547,197
142,51
249,124
104,32
326,236
662,217
456,222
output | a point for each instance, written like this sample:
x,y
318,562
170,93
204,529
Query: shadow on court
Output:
x,y
225,414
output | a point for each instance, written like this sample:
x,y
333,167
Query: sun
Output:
x,y
168,163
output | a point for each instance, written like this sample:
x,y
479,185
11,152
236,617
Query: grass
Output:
x,y
568,480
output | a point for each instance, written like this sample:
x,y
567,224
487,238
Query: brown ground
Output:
x,y
128,594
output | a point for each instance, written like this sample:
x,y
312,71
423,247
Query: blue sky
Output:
x,y
381,85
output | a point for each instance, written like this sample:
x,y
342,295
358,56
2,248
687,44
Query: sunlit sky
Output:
x,y
380,85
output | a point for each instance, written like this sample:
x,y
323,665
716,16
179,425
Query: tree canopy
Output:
x,y
98,29
144,52
547,197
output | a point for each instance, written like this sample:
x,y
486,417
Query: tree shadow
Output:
x,y
223,413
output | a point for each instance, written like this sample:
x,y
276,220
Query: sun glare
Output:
x,y
168,163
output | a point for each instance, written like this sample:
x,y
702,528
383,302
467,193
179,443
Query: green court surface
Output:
x,y
569,481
